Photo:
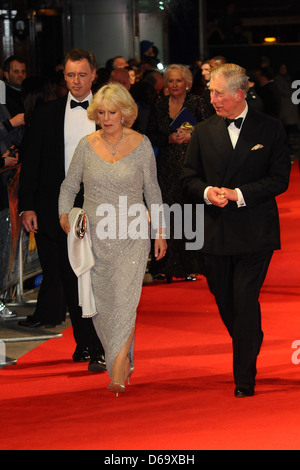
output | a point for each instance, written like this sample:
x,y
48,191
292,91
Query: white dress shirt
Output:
x,y
234,133
77,125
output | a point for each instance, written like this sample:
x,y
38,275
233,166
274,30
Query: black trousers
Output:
x,y
236,281
59,291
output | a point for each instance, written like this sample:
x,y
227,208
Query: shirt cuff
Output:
x,y
205,195
241,201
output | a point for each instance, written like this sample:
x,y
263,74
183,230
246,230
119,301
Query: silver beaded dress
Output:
x,y
114,193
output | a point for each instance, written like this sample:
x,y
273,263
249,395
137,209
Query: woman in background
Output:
x,y
172,145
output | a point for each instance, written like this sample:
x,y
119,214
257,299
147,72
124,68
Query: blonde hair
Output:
x,y
187,74
116,94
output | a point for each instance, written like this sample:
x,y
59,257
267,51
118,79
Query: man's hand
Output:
x,y
217,197
230,194
10,160
17,120
29,221
220,196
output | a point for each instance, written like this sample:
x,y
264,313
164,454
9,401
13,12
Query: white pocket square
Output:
x,y
257,147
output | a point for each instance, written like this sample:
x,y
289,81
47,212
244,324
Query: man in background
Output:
x,y
52,138
14,73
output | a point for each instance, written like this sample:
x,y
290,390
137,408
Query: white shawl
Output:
x,y
82,260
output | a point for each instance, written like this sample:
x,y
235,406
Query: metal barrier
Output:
x,y
33,270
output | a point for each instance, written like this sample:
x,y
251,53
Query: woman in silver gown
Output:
x,y
118,169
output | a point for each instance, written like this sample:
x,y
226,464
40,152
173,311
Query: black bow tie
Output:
x,y
83,104
237,122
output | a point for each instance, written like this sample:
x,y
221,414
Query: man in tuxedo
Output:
x,y
237,168
48,148
14,72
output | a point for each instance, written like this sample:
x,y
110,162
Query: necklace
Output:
x,y
112,145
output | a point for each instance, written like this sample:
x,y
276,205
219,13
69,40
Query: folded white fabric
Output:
x,y
82,260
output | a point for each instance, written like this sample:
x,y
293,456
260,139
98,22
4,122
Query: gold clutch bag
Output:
x,y
186,126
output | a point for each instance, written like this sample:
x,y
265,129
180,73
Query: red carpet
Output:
x,y
181,397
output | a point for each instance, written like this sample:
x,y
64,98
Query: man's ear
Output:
x,y
239,95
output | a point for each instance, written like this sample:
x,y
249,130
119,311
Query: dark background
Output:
x,y
258,19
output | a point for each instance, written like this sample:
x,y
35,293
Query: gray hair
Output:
x,y
187,74
235,75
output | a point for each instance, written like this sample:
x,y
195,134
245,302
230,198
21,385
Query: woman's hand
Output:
x,y
184,135
64,223
160,247
179,137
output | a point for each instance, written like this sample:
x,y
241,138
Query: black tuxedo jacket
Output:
x,y
43,165
259,166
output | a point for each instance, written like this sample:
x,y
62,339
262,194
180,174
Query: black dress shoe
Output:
x,y
81,354
52,325
97,363
190,278
241,392
30,322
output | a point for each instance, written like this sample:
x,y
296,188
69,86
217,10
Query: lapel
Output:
x,y
247,139
219,142
58,130
60,124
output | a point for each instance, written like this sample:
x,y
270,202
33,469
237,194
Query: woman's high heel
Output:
x,y
116,388
130,372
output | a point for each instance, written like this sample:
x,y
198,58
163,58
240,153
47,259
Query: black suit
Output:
x,y
42,172
239,241
14,100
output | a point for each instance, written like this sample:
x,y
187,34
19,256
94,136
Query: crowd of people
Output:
x,y
89,135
